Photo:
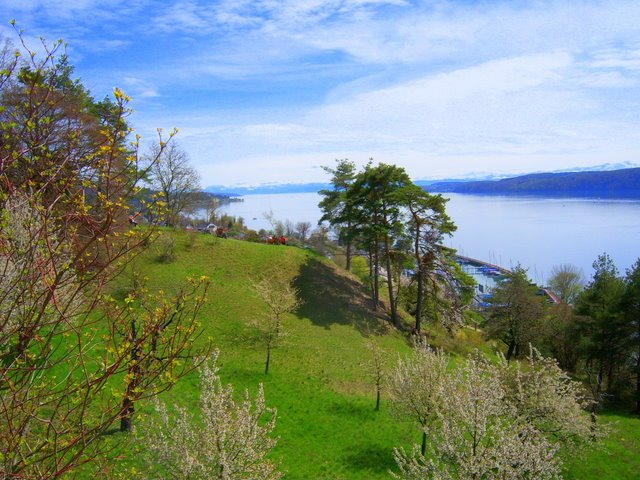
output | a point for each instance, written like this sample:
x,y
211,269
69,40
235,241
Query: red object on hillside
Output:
x,y
273,240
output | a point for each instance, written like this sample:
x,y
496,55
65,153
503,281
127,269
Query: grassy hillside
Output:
x,y
318,382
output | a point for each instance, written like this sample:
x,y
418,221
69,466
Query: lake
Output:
x,y
536,232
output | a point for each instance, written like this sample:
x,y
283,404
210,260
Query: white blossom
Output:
x,y
229,440
488,420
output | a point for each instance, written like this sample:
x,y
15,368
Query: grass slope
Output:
x,y
326,420
318,382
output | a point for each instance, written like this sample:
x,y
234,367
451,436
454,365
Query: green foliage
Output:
x,y
402,227
327,425
517,313
631,307
566,283
165,247
360,268
604,331
66,346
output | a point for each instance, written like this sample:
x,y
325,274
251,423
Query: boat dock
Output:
x,y
480,264
488,275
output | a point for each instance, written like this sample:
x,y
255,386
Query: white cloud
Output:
x,y
139,88
73,10
610,79
510,115
617,59
435,85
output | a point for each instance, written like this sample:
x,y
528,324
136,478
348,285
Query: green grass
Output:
x,y
617,458
327,425
326,420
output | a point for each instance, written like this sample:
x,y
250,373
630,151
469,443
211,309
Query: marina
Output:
x,y
488,276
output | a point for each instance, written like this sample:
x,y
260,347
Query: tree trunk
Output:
x,y
377,397
348,250
392,296
638,384
419,300
511,350
420,293
610,377
596,400
376,279
266,365
126,415
127,407
423,448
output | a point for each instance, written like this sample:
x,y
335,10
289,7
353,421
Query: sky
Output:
x,y
268,91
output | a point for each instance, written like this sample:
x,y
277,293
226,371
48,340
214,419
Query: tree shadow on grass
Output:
x,y
370,457
366,454
359,411
332,297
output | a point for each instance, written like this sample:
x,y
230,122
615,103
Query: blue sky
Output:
x,y
266,91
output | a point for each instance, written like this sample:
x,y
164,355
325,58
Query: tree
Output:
x,y
413,387
289,228
438,280
281,298
566,282
335,206
516,312
277,226
376,368
631,308
562,335
67,174
157,333
493,421
604,330
382,211
375,201
303,229
175,180
228,440
209,204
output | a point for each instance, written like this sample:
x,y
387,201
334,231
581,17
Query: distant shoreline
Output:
x,y
621,184
609,184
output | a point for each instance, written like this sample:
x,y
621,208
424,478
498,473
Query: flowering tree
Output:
x,y
67,173
228,441
493,421
412,387
280,298
375,368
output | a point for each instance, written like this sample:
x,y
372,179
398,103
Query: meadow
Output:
x,y
319,379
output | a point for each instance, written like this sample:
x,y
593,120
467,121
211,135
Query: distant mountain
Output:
x,y
268,188
483,178
624,183
598,168
600,181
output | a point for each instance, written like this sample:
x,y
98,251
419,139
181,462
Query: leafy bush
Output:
x,y
165,248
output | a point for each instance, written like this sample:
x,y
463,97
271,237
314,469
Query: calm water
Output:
x,y
536,232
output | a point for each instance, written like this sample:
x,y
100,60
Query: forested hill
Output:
x,y
623,183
